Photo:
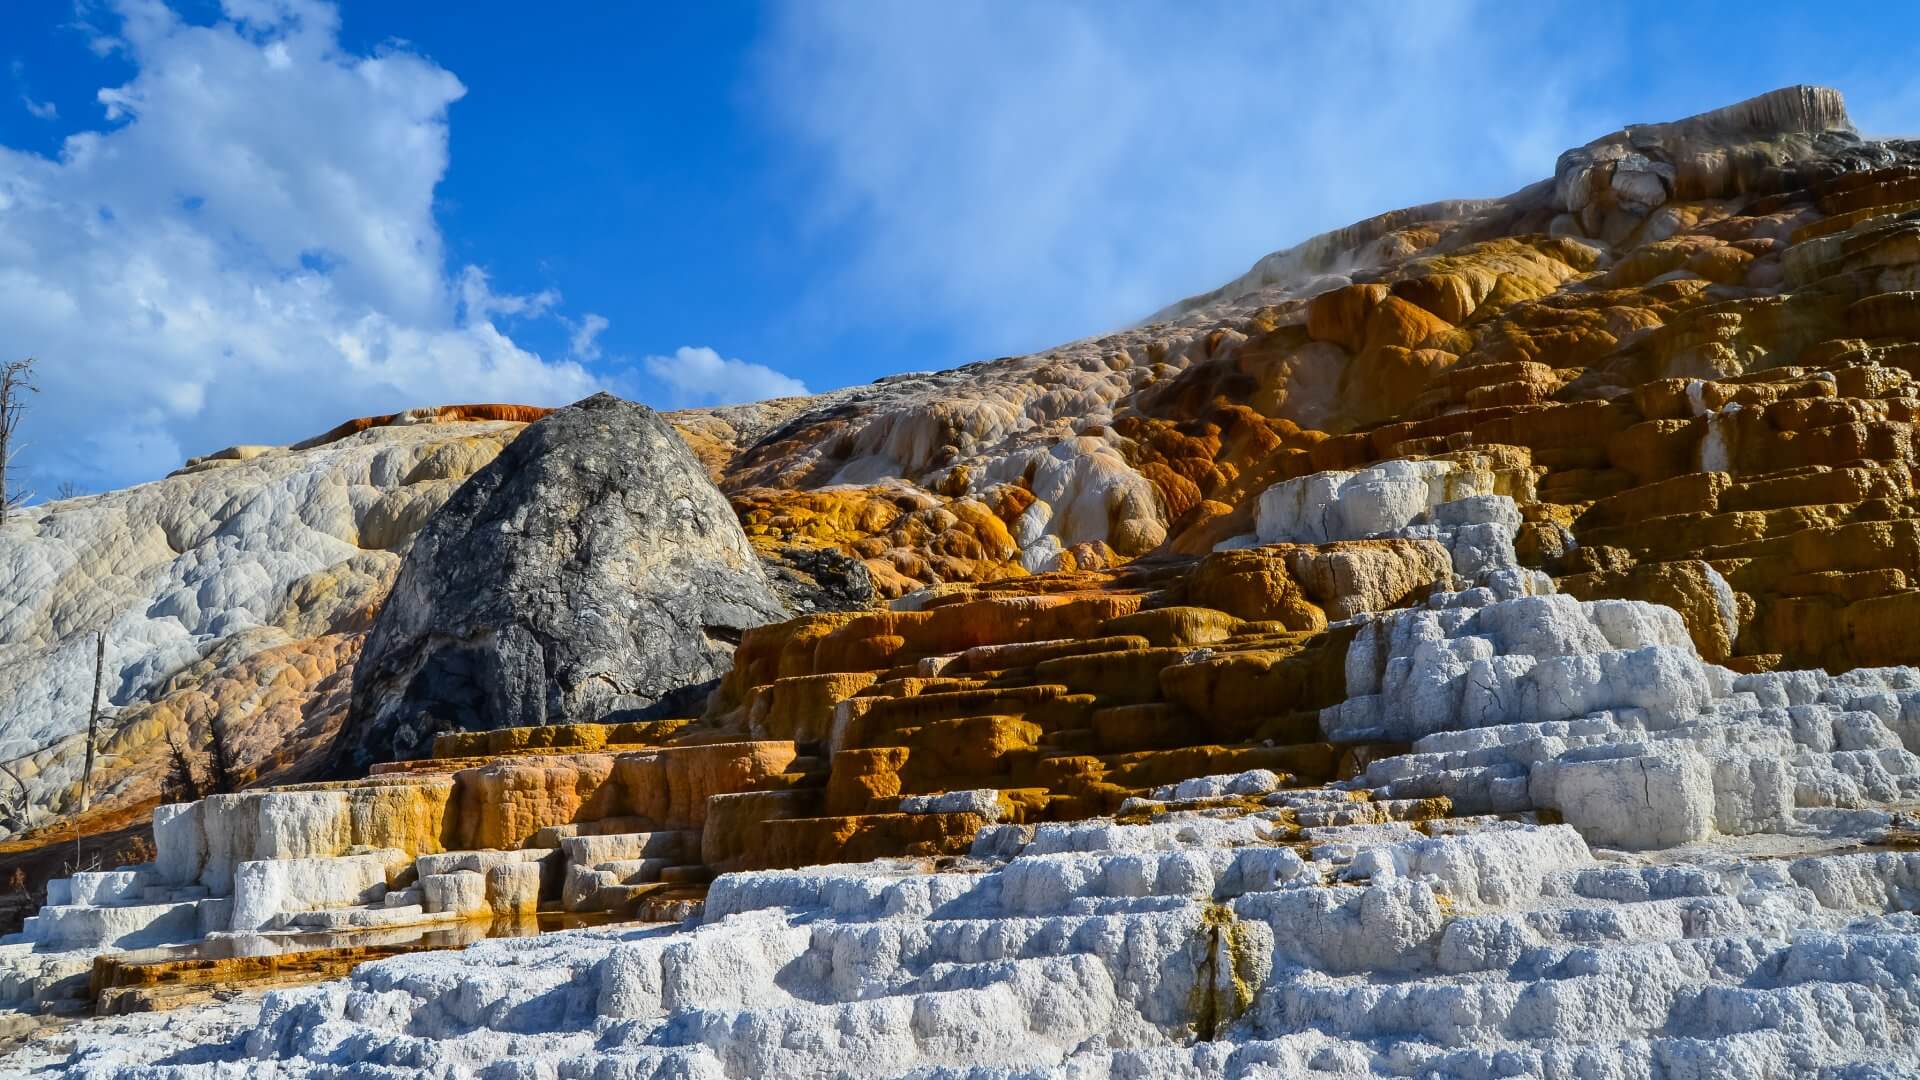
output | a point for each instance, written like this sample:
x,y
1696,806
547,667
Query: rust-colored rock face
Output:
x,y
442,414
1706,324
1688,361
1682,375
1690,358
1696,342
1302,665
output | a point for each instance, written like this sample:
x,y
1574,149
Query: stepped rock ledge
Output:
x,y
1477,642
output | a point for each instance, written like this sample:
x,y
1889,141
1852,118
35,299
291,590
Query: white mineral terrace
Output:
x,y
1189,946
1658,867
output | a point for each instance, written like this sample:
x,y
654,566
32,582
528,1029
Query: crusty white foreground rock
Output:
x,y
1185,947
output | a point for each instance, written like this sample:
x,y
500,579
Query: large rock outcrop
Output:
x,y
1368,666
238,589
1707,324
591,569
1406,660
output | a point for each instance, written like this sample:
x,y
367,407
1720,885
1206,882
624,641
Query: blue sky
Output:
x,y
243,221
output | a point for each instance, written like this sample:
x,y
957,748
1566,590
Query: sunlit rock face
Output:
x,y
1696,323
1189,946
240,588
1716,298
1476,642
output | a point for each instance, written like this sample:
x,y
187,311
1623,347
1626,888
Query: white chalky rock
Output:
x,y
1251,782
593,850
1638,801
109,887
1489,949
982,801
461,892
1525,660
1479,869
179,841
513,888
1001,841
200,844
1603,711
1453,504
268,888
447,862
118,926
1329,506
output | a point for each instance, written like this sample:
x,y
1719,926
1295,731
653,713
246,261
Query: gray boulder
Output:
x,y
592,571
809,580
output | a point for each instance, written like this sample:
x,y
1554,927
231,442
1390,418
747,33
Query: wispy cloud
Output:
x,y
39,110
700,376
584,342
1027,174
249,252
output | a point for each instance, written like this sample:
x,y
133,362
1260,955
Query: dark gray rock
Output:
x,y
592,570
818,579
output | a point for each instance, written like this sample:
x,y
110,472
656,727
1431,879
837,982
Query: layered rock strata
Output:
x,y
1684,352
1308,933
1473,643
1452,906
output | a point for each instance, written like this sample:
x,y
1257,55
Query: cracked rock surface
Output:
x,y
1477,642
590,569
1189,946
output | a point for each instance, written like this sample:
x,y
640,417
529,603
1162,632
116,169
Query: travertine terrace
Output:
x,y
1477,642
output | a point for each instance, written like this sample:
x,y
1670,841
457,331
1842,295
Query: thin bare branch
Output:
x,y
16,381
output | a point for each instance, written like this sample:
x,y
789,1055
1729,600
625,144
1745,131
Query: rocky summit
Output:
x,y
1476,642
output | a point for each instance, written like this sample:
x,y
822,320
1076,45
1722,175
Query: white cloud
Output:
x,y
584,343
39,110
479,301
700,376
246,251
1026,174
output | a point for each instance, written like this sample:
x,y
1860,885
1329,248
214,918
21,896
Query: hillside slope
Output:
x,y
237,589
1477,642
1707,322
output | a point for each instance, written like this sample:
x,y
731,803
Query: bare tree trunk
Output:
x,y
223,769
16,379
93,717
6,439
93,737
